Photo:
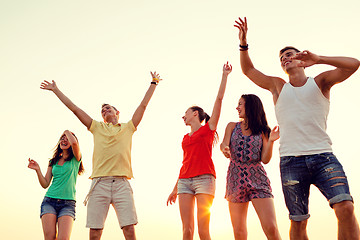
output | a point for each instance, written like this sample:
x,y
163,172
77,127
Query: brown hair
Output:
x,y
58,153
204,116
287,48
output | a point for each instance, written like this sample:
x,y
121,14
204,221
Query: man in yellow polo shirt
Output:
x,y
111,162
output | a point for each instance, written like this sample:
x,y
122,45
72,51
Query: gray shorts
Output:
x,y
202,184
115,191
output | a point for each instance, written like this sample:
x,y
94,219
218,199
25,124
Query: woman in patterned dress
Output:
x,y
248,143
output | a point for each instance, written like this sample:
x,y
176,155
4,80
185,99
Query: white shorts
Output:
x,y
115,191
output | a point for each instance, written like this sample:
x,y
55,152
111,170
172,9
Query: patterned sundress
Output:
x,y
246,178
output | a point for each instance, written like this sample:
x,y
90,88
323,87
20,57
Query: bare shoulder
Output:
x,y
231,126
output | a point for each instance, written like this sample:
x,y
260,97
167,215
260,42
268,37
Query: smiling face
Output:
x,y
285,58
241,108
286,61
108,112
64,143
189,116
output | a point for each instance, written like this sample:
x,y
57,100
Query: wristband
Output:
x,y
154,83
244,47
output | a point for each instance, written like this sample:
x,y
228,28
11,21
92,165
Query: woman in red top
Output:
x,y
197,174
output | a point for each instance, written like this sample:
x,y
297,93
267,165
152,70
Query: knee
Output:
x,y
240,233
49,236
95,234
188,231
63,238
344,210
129,231
271,229
204,234
298,226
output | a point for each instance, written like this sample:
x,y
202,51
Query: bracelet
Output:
x,y
154,83
244,48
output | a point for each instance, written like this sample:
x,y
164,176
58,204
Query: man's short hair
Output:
x,y
105,104
287,48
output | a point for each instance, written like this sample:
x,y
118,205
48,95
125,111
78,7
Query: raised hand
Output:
x,y
48,86
274,134
307,58
227,68
33,165
242,26
155,77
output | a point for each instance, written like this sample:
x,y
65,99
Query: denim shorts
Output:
x,y
204,184
299,172
58,207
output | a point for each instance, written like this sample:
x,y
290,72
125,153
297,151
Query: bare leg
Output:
x,y
65,224
95,234
298,230
204,202
186,205
265,209
347,223
129,232
238,214
49,226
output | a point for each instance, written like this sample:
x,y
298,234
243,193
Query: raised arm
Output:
x,y
74,144
268,144
260,79
344,68
224,146
80,114
214,119
139,113
43,180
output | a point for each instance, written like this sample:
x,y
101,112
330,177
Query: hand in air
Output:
x,y
48,86
242,26
227,68
307,58
33,165
274,134
155,77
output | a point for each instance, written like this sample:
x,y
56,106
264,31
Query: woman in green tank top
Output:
x,y
58,206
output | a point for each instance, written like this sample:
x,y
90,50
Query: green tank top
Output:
x,y
64,180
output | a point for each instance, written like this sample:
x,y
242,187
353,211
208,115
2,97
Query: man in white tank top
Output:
x,y
302,106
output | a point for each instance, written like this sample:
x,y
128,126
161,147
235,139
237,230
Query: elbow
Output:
x,y
357,64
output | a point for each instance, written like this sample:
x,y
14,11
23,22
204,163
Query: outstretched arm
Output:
x,y
224,146
268,144
139,113
345,67
214,119
79,113
43,180
260,79
74,144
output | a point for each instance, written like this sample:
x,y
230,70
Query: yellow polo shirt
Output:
x,y
112,149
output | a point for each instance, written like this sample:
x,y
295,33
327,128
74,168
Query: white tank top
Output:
x,y
302,113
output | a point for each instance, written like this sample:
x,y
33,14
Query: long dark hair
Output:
x,y
255,114
204,116
58,152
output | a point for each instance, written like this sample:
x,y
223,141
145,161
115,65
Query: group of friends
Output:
x,y
306,158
